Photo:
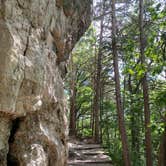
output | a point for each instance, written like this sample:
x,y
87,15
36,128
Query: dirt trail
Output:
x,y
84,154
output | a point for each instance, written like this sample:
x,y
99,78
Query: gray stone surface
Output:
x,y
36,38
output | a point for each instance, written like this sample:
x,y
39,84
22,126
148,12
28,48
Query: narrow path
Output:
x,y
83,154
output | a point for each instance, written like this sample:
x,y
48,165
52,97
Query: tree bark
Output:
x,y
135,129
98,85
162,150
120,111
148,146
73,89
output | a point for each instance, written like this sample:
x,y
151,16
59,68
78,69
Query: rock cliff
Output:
x,y
36,38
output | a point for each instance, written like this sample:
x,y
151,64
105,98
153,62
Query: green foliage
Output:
x,y
82,68
131,71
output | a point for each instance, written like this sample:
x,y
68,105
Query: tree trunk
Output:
x,y
72,126
148,147
118,93
135,130
162,152
93,86
97,85
101,110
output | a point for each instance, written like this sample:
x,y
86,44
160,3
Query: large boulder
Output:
x,y
36,38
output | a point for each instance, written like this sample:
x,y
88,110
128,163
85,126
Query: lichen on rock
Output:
x,y
36,38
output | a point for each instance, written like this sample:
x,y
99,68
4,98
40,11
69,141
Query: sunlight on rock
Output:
x,y
37,156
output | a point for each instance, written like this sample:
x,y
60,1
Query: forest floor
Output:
x,y
83,153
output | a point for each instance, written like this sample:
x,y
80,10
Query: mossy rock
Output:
x,y
72,6
68,7
2,10
59,3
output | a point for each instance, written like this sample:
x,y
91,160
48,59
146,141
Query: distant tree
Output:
x,y
120,111
97,83
73,95
148,145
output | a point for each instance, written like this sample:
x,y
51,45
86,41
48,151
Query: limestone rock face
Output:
x,y
36,38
